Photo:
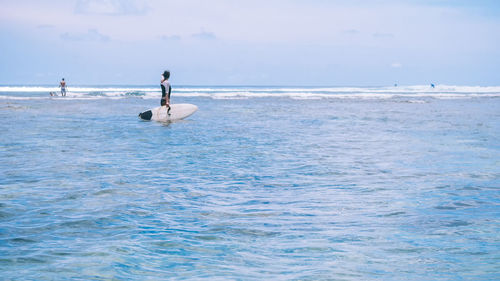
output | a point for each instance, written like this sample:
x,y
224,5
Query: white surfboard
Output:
x,y
177,112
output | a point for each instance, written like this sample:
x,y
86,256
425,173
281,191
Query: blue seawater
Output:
x,y
262,183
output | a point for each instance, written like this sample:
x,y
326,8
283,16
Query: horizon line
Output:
x,y
242,85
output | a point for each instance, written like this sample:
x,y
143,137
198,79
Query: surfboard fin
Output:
x,y
146,115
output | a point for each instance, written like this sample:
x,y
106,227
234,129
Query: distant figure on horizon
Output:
x,y
432,85
166,89
396,84
62,85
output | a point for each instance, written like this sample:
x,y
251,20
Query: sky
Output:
x,y
254,42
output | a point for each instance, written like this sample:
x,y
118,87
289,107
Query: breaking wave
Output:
x,y
418,93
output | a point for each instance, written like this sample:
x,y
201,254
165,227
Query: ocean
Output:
x,y
261,183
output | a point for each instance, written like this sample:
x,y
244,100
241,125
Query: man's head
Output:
x,y
166,74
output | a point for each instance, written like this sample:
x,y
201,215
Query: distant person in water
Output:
x,y
62,85
433,86
166,89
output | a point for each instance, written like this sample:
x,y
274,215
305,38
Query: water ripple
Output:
x,y
254,189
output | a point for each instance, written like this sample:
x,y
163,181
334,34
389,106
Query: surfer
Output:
x,y
432,85
62,85
166,89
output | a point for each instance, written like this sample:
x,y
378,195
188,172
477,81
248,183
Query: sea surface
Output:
x,y
261,183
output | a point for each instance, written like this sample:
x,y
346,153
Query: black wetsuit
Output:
x,y
165,93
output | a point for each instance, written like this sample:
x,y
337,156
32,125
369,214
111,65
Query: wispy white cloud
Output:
x,y
111,7
204,35
170,37
396,65
90,35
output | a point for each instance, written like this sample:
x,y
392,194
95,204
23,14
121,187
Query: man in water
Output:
x,y
165,90
63,87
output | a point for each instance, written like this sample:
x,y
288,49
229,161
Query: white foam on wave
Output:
x,y
402,89
298,93
20,98
54,98
30,89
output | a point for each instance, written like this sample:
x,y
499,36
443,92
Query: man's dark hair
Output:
x,y
166,74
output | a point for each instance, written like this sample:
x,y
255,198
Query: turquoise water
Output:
x,y
259,184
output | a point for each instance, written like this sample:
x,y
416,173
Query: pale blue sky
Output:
x,y
258,42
